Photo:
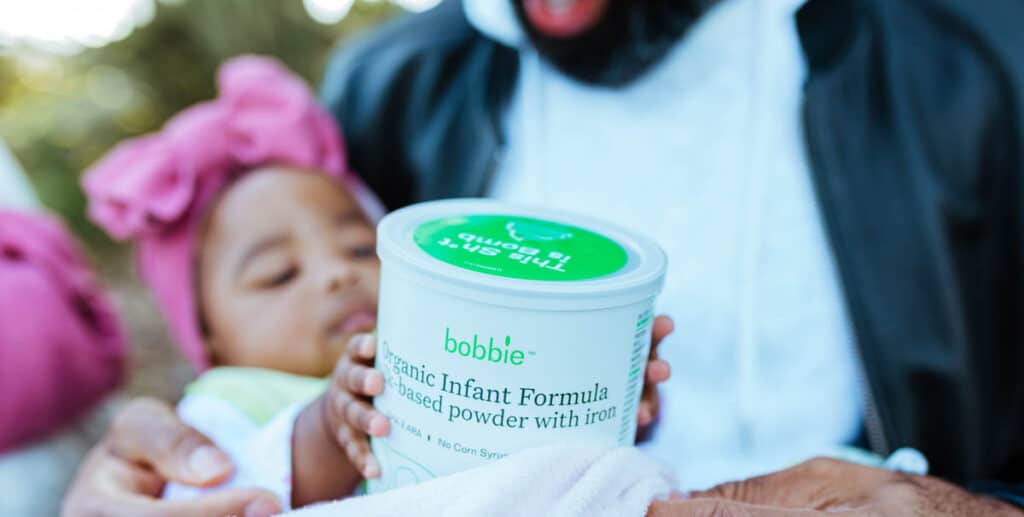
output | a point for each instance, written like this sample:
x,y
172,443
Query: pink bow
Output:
x,y
62,347
156,188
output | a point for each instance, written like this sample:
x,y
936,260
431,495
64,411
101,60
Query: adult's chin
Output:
x,y
606,42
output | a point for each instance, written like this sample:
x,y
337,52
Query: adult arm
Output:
x,y
835,488
145,447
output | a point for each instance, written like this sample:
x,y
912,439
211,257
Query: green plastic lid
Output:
x,y
521,250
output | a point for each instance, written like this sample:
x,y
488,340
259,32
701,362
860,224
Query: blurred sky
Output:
x,y
67,26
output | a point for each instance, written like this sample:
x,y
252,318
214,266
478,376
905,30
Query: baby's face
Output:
x,y
287,272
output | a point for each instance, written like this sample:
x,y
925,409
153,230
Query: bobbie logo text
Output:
x,y
487,352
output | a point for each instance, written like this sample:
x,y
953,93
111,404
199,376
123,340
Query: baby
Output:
x,y
259,246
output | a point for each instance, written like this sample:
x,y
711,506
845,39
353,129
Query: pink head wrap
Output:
x,y
61,345
155,189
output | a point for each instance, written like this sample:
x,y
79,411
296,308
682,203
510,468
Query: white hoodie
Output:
x,y
705,154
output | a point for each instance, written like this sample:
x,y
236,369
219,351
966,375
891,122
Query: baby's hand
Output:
x,y
348,409
657,372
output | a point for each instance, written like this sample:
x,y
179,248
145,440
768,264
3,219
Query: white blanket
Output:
x,y
548,481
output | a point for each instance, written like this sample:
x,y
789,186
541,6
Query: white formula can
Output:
x,y
505,327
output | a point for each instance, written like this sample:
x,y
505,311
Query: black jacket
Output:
x,y
914,121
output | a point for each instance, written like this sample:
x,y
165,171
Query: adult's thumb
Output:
x,y
148,431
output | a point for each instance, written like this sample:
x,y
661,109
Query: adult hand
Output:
x,y
145,447
833,488
657,371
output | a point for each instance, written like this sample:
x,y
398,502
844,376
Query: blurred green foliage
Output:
x,y
59,114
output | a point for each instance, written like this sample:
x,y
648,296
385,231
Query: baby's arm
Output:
x,y
330,451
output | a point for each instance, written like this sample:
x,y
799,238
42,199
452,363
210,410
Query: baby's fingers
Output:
x,y
662,327
362,348
357,448
658,370
360,415
648,408
360,380
646,412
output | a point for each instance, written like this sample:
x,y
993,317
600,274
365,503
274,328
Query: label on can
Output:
x,y
468,383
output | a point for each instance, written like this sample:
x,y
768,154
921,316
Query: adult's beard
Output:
x,y
630,37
